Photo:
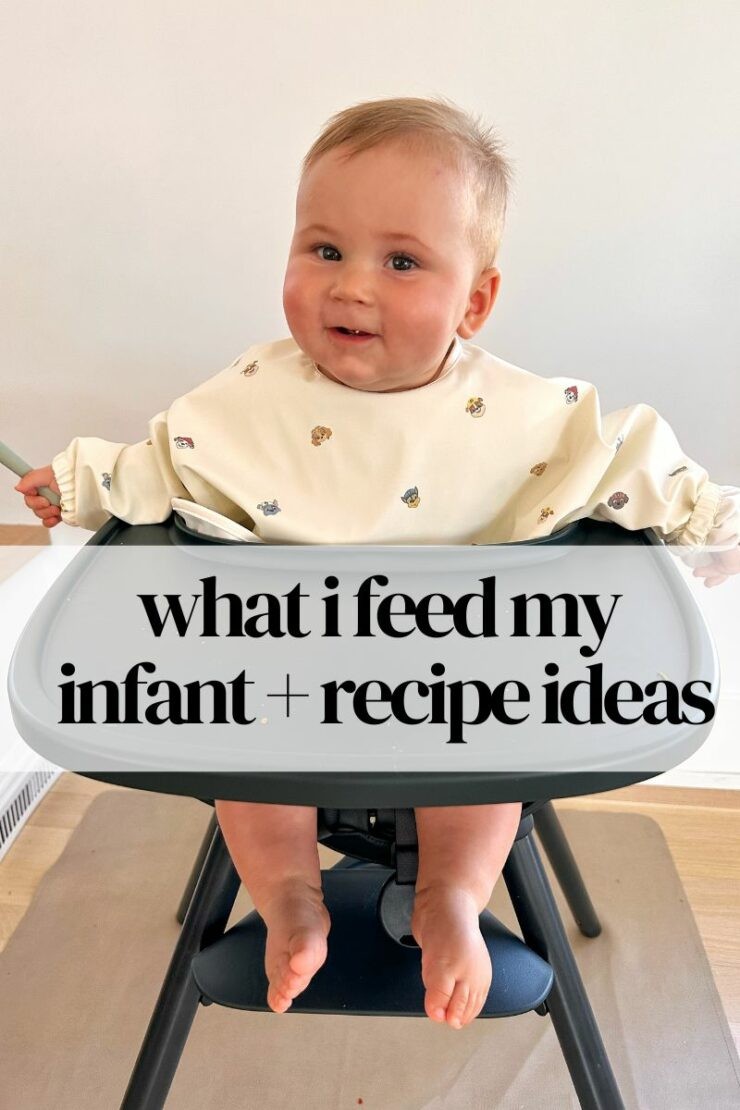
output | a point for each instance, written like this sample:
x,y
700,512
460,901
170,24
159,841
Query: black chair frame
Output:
x,y
387,837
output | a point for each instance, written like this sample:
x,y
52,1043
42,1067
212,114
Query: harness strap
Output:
x,y
407,847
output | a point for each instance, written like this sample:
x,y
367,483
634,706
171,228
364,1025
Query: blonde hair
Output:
x,y
443,127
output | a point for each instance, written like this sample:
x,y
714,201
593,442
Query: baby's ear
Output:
x,y
481,301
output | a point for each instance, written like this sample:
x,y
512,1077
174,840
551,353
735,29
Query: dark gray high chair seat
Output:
x,y
373,966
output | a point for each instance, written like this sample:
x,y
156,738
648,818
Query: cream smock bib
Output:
x,y
487,453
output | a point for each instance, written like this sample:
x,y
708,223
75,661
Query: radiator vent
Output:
x,y
22,801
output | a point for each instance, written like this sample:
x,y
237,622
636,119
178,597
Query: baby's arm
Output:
x,y
137,482
645,480
97,479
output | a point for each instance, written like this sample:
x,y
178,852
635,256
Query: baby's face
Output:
x,y
382,247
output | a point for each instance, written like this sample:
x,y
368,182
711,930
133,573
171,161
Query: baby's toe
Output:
x,y
476,1000
439,990
458,1005
293,969
306,953
277,1000
279,995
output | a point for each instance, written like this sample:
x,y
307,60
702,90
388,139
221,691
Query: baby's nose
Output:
x,y
352,283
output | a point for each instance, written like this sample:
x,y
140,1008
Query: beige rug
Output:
x,y
81,974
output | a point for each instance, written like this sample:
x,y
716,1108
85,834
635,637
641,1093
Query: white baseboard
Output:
x,y
699,780
24,776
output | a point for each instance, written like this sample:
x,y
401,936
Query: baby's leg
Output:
x,y
274,851
462,850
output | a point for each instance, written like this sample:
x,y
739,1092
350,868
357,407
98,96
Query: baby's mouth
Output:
x,y
351,334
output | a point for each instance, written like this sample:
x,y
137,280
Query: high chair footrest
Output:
x,y
366,972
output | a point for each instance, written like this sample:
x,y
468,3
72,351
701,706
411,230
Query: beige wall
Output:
x,y
150,152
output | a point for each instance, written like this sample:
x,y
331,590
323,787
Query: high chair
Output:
x,y
373,966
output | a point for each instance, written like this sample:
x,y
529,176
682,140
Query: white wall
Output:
x,y
151,150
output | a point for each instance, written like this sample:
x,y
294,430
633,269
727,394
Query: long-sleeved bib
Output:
x,y
486,453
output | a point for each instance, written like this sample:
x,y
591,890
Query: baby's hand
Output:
x,y
29,486
723,564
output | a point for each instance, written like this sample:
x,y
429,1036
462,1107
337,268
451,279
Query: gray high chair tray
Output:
x,y
687,649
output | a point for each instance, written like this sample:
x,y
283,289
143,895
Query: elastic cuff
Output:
x,y
65,479
701,521
726,531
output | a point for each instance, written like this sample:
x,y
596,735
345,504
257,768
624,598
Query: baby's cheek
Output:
x,y
288,291
426,314
296,294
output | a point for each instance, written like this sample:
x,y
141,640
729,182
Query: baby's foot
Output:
x,y
297,926
455,964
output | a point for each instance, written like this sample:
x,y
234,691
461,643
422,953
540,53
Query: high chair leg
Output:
x,y
200,859
557,849
567,1003
173,1015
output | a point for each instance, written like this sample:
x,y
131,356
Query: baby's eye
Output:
x,y
327,253
402,262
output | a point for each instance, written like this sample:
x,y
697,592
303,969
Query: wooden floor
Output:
x,y
702,828
33,535
17,545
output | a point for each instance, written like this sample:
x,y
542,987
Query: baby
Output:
x,y
377,423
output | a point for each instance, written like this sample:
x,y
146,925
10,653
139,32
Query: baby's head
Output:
x,y
399,215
